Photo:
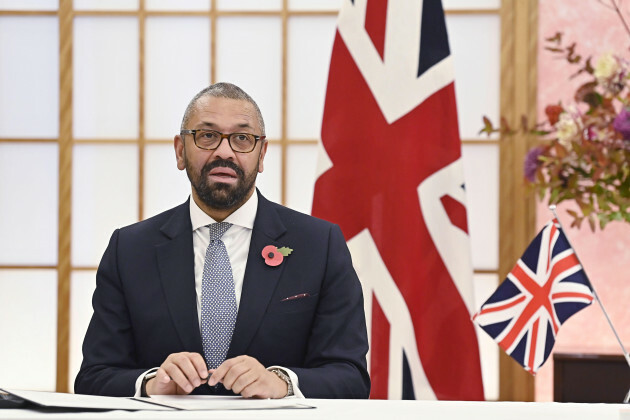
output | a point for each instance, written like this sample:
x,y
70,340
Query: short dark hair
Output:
x,y
223,90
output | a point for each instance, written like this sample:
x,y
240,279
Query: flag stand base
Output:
x,y
552,207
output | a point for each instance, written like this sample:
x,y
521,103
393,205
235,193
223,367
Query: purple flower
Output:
x,y
532,163
622,123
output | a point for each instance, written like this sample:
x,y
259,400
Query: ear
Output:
x,y
261,156
180,152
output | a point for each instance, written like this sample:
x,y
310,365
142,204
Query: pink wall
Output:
x,y
604,254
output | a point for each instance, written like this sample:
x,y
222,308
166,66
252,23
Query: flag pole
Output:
x,y
552,207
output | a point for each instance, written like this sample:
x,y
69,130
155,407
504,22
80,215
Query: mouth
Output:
x,y
223,174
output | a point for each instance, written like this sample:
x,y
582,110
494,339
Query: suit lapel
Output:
x,y
260,280
175,259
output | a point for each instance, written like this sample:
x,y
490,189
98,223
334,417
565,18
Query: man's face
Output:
x,y
221,179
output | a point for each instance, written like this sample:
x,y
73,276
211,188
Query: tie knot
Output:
x,y
218,229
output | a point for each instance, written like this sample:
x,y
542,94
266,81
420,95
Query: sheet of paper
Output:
x,y
215,402
91,402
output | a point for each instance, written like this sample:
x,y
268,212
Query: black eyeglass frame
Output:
x,y
223,136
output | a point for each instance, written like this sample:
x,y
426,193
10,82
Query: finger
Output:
x,y
255,390
179,378
262,387
193,366
266,385
207,378
235,372
182,371
200,366
219,373
162,377
238,384
160,385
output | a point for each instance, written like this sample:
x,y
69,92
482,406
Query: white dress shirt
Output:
x,y
236,239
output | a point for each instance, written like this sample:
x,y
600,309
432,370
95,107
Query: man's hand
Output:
x,y
179,374
245,375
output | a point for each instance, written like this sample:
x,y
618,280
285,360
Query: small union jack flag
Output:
x,y
545,287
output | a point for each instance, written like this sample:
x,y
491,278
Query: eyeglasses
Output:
x,y
211,140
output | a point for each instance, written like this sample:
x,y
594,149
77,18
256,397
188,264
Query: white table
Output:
x,y
370,410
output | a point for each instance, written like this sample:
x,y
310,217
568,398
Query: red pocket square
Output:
x,y
300,296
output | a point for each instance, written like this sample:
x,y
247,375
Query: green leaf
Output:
x,y
285,251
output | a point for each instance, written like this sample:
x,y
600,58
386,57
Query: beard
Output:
x,y
218,195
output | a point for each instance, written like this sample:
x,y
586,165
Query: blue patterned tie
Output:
x,y
218,302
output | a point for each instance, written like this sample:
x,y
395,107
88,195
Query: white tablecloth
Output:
x,y
368,410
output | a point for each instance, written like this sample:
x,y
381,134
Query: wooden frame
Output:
x,y
516,210
517,83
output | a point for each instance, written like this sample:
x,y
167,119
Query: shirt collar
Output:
x,y
244,216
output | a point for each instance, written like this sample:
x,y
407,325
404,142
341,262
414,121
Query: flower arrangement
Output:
x,y
584,150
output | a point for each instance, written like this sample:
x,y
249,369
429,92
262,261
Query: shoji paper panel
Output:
x,y
29,203
315,4
483,286
268,182
82,286
310,43
165,185
302,160
105,92
28,310
29,76
481,171
475,48
177,67
178,5
29,4
249,54
249,4
105,5
104,197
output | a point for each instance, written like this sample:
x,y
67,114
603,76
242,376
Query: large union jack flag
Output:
x,y
545,287
391,175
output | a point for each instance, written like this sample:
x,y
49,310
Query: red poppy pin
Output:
x,y
274,256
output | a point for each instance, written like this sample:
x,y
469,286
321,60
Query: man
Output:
x,y
228,292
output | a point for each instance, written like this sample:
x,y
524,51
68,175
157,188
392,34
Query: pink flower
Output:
x,y
622,123
274,256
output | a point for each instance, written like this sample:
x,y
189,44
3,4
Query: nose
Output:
x,y
224,151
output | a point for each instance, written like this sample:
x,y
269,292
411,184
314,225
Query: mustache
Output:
x,y
222,163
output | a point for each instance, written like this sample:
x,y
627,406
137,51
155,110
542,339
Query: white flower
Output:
x,y
566,128
601,135
606,67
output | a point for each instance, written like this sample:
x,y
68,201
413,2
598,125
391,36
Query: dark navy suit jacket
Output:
x,y
145,305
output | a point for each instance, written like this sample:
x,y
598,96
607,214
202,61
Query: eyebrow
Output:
x,y
212,125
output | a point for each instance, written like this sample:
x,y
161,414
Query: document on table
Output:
x,y
79,401
217,402
158,402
